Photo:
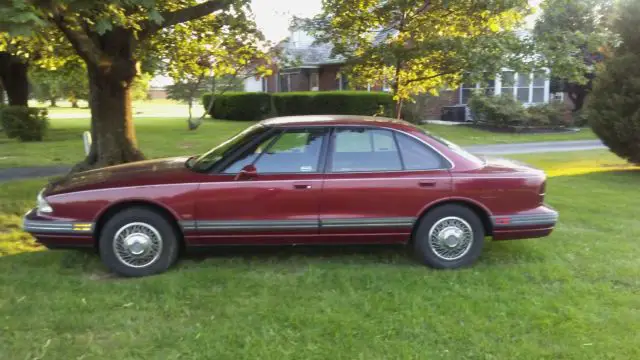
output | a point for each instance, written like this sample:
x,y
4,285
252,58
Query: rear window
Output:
x,y
455,148
364,150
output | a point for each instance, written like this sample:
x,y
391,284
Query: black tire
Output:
x,y
165,257
425,252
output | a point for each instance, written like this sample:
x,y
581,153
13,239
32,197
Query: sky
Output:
x,y
274,16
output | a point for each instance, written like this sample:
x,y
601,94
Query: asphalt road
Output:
x,y
499,149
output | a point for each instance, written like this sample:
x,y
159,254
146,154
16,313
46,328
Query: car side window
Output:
x,y
249,156
295,151
418,156
364,150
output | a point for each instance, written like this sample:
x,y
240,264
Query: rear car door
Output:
x,y
377,182
278,204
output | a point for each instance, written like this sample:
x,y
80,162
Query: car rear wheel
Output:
x,y
138,242
449,237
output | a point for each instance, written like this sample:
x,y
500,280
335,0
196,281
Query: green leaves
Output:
x,y
568,31
420,47
103,25
155,16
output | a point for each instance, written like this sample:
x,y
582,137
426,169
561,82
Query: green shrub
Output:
x,y
550,114
498,111
579,119
504,111
334,102
613,107
26,124
249,106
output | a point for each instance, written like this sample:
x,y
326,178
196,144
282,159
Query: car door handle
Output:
x,y
427,183
302,186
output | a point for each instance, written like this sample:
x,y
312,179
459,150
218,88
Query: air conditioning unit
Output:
x,y
457,113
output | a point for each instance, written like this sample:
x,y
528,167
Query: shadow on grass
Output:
x,y
333,253
64,135
53,135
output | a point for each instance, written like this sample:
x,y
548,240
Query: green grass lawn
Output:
x,y
162,137
574,295
467,135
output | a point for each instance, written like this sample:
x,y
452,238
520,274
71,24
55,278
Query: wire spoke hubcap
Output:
x,y
137,244
450,238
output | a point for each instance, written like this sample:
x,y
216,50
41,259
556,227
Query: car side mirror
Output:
x,y
247,173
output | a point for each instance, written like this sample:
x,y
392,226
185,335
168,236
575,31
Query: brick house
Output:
x,y
308,67
316,69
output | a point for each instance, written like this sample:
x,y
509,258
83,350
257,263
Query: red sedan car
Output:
x,y
298,180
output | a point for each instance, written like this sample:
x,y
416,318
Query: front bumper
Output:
x,y
535,223
58,234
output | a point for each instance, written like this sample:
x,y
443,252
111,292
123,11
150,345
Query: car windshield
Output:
x,y
207,160
455,148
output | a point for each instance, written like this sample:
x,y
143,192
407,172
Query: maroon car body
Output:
x,y
323,204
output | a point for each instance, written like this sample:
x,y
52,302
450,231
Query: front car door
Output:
x,y
377,182
276,206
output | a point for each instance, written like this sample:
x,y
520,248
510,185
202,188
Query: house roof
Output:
x,y
308,52
313,54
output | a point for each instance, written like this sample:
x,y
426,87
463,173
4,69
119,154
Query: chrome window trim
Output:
x,y
376,127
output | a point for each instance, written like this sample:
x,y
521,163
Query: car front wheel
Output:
x,y
138,242
449,237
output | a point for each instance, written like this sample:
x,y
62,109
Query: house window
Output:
x,y
314,81
342,82
508,82
523,87
527,88
284,83
539,79
467,90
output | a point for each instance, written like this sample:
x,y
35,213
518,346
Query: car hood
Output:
x,y
149,172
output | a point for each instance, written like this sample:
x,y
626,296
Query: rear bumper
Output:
x,y
535,223
58,234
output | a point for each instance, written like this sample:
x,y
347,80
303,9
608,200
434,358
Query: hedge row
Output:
x,y
504,112
248,106
24,123
257,106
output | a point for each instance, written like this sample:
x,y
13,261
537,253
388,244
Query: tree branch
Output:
x,y
81,42
429,77
172,18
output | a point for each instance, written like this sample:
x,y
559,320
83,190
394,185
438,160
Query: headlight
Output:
x,y
43,205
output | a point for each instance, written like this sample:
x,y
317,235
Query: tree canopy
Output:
x,y
420,46
114,38
614,107
572,36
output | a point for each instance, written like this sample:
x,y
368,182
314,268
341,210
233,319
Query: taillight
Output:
x,y
543,190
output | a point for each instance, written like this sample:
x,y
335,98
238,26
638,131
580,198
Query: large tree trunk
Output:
x,y
74,103
13,73
53,103
578,93
1,93
112,129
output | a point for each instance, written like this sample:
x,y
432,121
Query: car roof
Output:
x,y
337,120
